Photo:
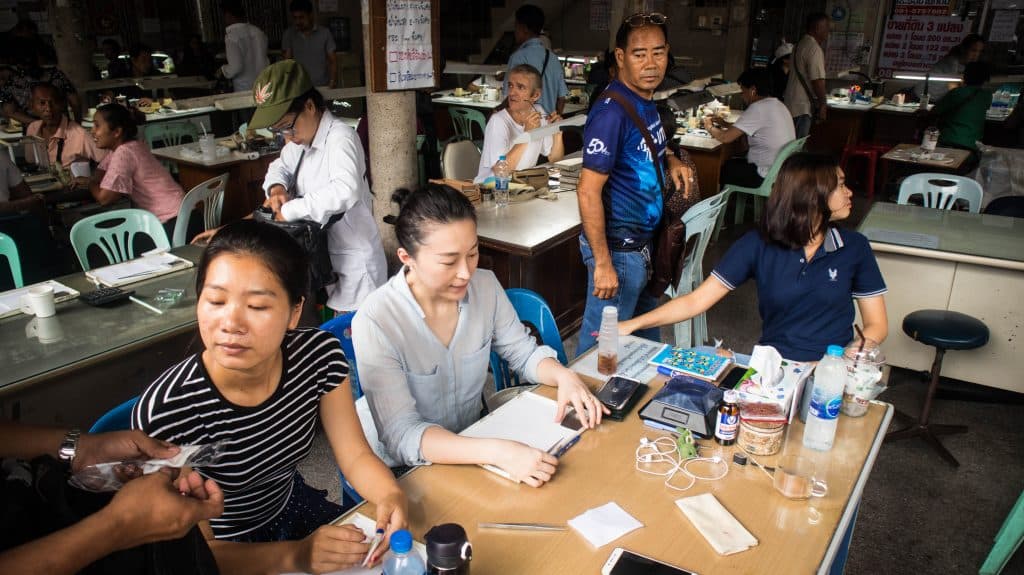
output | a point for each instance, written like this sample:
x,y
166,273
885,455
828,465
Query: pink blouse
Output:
x,y
133,170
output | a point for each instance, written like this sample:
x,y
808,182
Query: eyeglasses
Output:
x,y
285,132
643,18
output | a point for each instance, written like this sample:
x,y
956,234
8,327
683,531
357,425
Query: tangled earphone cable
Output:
x,y
665,450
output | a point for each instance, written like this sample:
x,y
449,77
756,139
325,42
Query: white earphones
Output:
x,y
663,450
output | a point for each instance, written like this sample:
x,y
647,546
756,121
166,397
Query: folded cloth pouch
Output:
x,y
723,531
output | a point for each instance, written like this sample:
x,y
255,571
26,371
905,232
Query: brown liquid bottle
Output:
x,y
728,422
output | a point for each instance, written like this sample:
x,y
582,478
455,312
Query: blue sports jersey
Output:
x,y
613,145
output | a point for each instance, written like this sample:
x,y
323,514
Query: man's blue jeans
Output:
x,y
634,271
802,125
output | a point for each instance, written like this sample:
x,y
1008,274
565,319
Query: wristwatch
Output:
x,y
68,446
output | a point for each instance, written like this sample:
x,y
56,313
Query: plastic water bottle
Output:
x,y
826,400
401,559
608,341
502,177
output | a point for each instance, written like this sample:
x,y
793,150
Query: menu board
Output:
x,y
918,34
403,35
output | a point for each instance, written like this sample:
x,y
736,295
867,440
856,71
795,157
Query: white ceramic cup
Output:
x,y
491,94
45,329
39,301
898,99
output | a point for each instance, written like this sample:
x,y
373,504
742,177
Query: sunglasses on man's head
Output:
x,y
643,18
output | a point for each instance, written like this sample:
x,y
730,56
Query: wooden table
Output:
x,y
794,536
245,181
708,155
535,245
970,263
106,355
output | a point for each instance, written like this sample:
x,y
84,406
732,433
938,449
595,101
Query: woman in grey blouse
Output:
x,y
423,341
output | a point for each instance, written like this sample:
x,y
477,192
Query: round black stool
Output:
x,y
943,330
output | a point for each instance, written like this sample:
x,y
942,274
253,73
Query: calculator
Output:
x,y
105,295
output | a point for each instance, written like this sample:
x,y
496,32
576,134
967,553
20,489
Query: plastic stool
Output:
x,y
870,153
943,330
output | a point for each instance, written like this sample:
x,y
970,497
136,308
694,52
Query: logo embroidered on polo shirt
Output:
x,y
833,274
596,146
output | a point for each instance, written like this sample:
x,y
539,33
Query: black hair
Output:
x,y
275,249
757,78
625,29
797,208
299,103
531,17
233,7
965,44
812,20
977,73
117,116
435,204
138,49
112,43
301,6
58,94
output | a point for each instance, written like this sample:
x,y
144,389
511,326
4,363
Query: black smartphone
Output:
x,y
623,562
732,378
615,393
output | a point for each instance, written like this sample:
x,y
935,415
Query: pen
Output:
x,y
565,447
374,544
146,305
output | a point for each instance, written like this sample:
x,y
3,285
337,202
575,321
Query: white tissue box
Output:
x,y
785,392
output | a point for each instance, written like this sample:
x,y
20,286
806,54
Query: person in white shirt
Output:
x,y
805,90
767,125
245,47
521,115
319,176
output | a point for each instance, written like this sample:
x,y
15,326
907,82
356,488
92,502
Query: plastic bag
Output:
x,y
104,477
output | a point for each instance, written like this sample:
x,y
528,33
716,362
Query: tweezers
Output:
x,y
522,526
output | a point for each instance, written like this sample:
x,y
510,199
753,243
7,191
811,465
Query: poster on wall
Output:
x,y
409,48
918,34
1004,26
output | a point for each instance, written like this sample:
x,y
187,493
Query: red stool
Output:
x,y
870,153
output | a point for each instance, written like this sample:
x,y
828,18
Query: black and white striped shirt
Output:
x,y
264,443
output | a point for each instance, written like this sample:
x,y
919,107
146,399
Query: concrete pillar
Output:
x,y
73,46
391,118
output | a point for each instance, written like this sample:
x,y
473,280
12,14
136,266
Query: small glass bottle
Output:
x,y
608,341
728,421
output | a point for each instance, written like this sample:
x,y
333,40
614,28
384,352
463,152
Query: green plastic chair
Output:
x,y
9,249
1008,540
211,194
463,120
116,241
171,133
764,190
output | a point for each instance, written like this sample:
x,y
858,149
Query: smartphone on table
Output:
x,y
616,391
625,562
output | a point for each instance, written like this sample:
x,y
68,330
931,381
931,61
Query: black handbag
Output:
x,y
313,239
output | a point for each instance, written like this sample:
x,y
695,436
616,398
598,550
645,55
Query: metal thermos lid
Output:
x,y
447,546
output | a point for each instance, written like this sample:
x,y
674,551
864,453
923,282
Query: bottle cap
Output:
x,y
610,310
401,541
447,546
836,350
731,396
501,158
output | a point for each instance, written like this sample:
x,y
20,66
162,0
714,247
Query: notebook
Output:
x,y
692,362
527,418
10,301
138,269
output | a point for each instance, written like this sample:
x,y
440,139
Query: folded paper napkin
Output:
x,y
716,524
604,524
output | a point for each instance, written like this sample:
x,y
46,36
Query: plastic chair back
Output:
x,y
9,249
700,221
116,241
463,120
171,133
1007,541
341,328
535,313
460,160
211,194
117,419
765,189
941,198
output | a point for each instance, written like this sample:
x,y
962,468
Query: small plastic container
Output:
x,y
761,437
864,368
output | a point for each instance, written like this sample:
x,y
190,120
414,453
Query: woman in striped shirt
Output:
x,y
260,386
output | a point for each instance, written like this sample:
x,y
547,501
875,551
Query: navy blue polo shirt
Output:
x,y
804,306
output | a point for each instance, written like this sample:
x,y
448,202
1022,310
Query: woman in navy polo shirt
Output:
x,y
808,271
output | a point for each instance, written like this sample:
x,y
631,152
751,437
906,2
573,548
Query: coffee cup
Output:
x,y
38,301
795,478
45,329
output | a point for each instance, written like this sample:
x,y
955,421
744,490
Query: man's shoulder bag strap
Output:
x,y
635,117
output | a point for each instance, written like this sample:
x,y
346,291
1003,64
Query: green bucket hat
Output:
x,y
274,89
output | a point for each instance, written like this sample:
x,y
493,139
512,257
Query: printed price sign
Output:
x,y
918,34
410,53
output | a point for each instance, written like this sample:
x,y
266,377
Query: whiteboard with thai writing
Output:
x,y
409,47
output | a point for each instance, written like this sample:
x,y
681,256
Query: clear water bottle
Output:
x,y
826,400
502,177
402,560
608,341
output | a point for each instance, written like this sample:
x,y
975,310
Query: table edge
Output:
x,y
946,256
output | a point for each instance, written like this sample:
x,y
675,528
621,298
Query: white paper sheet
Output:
x,y
602,525
634,355
138,269
10,300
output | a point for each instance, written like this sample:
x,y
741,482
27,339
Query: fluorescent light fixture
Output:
x,y
925,77
545,131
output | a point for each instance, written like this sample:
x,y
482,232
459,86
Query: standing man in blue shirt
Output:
x,y
529,23
619,191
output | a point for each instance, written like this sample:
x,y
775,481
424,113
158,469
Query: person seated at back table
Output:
x,y
961,113
67,141
15,195
424,339
767,125
522,115
265,387
808,271
131,169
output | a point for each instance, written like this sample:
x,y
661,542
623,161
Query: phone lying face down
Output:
x,y
623,562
